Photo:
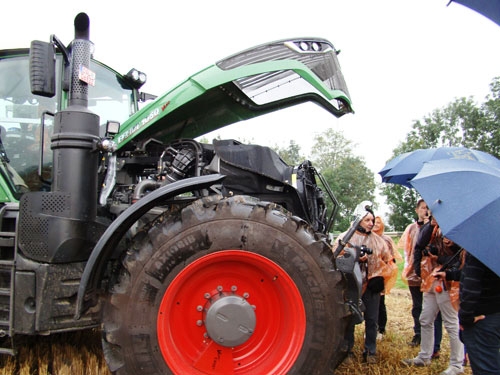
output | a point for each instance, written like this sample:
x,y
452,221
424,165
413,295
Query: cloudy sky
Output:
x,y
401,58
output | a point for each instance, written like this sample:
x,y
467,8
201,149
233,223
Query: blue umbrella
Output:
x,y
402,170
392,163
488,8
464,197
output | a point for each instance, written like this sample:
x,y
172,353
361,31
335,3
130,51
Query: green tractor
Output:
x,y
191,258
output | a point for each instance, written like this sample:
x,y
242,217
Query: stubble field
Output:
x,y
80,353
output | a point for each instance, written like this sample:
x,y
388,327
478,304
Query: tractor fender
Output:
x,y
94,269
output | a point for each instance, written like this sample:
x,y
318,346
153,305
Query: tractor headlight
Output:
x,y
112,127
136,78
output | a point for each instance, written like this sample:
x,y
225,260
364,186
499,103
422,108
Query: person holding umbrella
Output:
x,y
437,297
479,313
414,281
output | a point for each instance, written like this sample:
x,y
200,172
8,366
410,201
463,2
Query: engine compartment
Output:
x,y
249,169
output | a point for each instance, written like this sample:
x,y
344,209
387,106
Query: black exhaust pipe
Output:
x,y
76,131
81,50
67,214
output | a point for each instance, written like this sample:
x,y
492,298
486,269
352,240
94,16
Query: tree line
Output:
x,y
332,155
462,122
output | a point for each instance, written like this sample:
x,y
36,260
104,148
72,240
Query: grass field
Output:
x,y
400,283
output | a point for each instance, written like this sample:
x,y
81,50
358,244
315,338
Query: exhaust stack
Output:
x,y
66,216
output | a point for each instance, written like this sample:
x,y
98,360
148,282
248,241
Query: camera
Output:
x,y
363,250
430,250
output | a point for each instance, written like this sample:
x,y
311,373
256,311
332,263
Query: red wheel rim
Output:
x,y
280,321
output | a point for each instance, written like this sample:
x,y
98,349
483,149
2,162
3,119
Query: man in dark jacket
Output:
x,y
479,313
479,316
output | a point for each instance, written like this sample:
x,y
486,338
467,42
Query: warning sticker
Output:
x,y
86,75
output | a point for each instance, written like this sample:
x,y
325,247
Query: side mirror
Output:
x,y
43,68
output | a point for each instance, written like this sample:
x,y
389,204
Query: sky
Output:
x,y
401,59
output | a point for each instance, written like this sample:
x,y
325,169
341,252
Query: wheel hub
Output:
x,y
230,321
207,319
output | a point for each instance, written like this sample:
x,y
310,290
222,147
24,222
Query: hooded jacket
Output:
x,y
378,263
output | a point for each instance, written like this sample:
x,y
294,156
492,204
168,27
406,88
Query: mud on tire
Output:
x,y
226,286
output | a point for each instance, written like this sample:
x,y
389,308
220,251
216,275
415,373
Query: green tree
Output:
x,y
402,202
330,147
291,155
461,123
349,178
351,182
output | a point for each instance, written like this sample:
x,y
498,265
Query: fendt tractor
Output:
x,y
189,257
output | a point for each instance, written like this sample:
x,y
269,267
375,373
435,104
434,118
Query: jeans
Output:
x,y
349,336
482,341
382,315
438,332
371,301
433,303
416,309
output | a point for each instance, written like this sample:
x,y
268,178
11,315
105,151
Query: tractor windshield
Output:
x,y
27,120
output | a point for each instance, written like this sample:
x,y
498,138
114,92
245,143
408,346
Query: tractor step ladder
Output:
x,y
7,276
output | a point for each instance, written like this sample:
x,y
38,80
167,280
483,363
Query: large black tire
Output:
x,y
226,286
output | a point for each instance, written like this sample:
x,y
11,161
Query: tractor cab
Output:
x,y
27,120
